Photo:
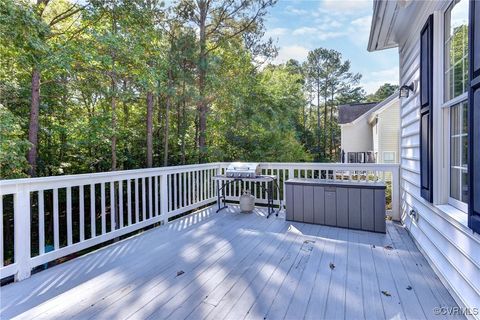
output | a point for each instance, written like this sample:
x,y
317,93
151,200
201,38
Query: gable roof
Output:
x,y
350,112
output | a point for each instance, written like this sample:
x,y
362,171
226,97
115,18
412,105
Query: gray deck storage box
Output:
x,y
353,205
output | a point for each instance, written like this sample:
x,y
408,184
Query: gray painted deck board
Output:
x,y
237,266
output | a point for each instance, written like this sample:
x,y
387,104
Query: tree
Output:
x,y
38,33
328,77
383,92
218,21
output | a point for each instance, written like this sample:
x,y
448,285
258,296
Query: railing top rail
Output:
x,y
10,186
333,165
43,183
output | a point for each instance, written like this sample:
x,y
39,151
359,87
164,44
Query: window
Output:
x,y
389,156
456,98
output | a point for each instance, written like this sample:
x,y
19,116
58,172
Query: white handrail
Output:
x,y
121,202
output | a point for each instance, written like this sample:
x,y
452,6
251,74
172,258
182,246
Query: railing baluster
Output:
x,y
156,196
175,192
56,238
202,185
169,192
164,197
144,200
209,177
181,194
92,212
190,188
81,212
113,223
129,201
41,223
150,201
137,204
69,216
102,199
120,203
184,190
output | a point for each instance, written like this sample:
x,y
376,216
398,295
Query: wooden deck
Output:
x,y
238,266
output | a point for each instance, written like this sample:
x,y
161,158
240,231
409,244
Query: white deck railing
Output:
x,y
122,202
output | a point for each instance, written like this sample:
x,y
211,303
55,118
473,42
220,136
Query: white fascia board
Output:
x,y
383,21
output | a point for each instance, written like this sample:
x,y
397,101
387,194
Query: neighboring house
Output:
x,y
439,53
384,120
370,131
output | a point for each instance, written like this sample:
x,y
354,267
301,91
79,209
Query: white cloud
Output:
x,y
304,30
324,35
371,81
363,22
276,32
345,6
291,52
319,34
359,31
295,11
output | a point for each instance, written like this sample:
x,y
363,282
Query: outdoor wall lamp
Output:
x,y
405,90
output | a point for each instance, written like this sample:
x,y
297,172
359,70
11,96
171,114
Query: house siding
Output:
x,y
388,131
451,248
357,137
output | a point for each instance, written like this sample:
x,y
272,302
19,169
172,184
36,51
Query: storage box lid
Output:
x,y
337,183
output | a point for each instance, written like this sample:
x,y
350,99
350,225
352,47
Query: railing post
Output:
x,y
291,174
396,193
164,198
22,234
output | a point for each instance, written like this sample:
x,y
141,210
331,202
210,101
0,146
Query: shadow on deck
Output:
x,y
235,266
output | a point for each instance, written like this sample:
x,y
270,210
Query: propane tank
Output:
x,y
247,202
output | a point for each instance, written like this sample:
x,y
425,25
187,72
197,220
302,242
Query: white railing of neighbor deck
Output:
x,y
52,216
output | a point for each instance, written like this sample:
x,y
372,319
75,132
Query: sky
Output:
x,y
299,26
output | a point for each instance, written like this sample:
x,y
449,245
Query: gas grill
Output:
x,y
243,170
248,172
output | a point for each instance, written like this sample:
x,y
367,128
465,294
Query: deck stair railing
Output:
x,y
54,217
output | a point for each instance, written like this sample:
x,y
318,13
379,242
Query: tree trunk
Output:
x,y
184,103
325,126
318,119
167,119
33,125
161,128
114,127
202,76
126,121
149,129
332,148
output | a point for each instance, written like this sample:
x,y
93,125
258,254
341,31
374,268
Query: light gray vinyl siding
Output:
x,y
389,132
451,248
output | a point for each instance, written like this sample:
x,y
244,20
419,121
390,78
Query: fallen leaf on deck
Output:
x,y
179,273
332,266
388,247
386,293
409,288
373,246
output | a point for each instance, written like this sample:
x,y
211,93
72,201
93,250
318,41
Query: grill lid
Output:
x,y
243,170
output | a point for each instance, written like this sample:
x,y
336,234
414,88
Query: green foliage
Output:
x,y
382,93
98,64
13,146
